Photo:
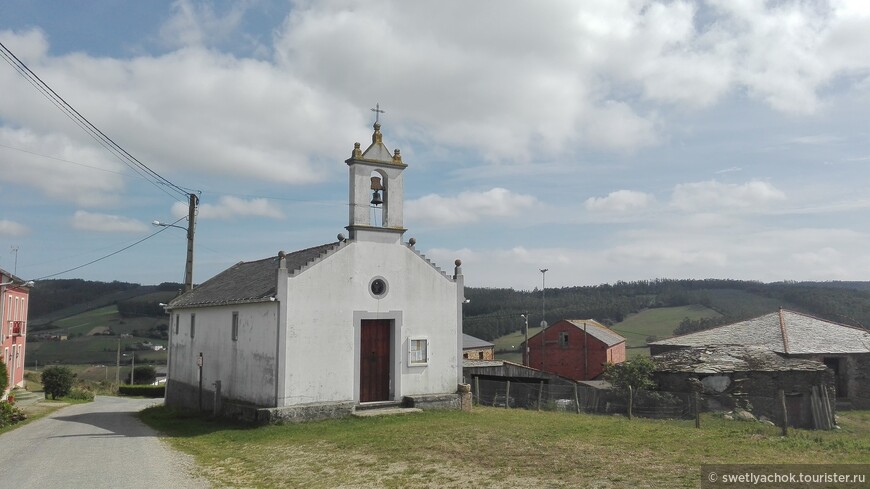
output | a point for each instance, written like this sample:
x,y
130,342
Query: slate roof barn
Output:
x,y
844,349
477,349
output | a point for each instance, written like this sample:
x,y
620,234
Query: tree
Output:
x,y
4,377
145,375
57,381
630,376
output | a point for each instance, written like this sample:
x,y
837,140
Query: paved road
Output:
x,y
94,445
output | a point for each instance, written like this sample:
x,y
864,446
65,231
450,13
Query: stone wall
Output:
x,y
478,353
756,392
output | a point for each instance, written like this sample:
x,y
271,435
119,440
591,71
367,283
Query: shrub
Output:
x,y
4,377
57,381
10,414
80,394
145,374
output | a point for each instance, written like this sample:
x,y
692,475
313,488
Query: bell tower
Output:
x,y
376,194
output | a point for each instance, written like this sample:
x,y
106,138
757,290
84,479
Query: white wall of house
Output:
x,y
327,302
245,366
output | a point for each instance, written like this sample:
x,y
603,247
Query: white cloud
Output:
x,y
106,223
199,24
468,207
620,201
231,207
12,228
59,167
713,194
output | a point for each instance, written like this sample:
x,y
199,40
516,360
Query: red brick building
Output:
x,y
576,348
14,298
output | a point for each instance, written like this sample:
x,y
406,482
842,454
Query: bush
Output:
x,y
145,375
155,391
4,377
10,414
80,394
57,381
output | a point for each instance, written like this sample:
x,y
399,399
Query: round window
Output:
x,y
378,287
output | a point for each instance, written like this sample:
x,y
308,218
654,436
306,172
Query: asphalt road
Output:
x,y
95,445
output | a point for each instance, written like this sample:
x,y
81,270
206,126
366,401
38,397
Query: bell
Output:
x,y
376,184
376,198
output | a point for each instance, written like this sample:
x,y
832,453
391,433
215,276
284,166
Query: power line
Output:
x,y
108,143
110,254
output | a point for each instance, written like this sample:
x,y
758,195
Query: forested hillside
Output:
x,y
495,312
55,299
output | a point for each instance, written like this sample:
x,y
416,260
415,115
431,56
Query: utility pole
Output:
x,y
133,371
191,225
118,365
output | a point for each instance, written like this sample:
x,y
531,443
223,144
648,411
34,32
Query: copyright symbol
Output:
x,y
712,477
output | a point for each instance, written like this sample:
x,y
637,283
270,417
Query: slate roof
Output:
x,y
470,342
244,282
785,331
598,331
730,358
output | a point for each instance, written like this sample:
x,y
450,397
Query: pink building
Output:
x,y
14,299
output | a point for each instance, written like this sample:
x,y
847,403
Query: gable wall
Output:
x,y
328,301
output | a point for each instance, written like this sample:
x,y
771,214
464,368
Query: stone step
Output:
x,y
386,411
377,405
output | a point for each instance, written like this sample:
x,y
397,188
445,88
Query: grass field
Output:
x,y
84,348
493,447
658,322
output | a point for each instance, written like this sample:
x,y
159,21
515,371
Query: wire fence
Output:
x,y
813,410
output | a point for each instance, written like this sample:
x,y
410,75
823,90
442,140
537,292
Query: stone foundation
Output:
x,y
433,401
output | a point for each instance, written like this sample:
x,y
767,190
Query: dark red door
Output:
x,y
374,369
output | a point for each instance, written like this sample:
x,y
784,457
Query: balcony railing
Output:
x,y
17,328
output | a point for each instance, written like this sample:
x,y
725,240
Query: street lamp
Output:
x,y
29,283
525,316
543,315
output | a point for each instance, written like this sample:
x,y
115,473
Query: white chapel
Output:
x,y
322,331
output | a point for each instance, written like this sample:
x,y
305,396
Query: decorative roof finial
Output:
x,y
377,137
357,152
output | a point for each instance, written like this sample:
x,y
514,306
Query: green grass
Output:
x,y
493,447
509,344
89,349
658,322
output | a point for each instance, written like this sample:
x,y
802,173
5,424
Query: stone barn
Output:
x,y
477,349
844,349
750,378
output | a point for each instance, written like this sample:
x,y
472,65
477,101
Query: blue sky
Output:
x,y
609,140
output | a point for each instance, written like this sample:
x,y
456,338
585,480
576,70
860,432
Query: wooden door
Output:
x,y
374,369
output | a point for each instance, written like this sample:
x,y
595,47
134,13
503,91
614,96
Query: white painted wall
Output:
x,y
321,337
245,367
328,300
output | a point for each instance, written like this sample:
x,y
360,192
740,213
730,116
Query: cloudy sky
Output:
x,y
604,140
